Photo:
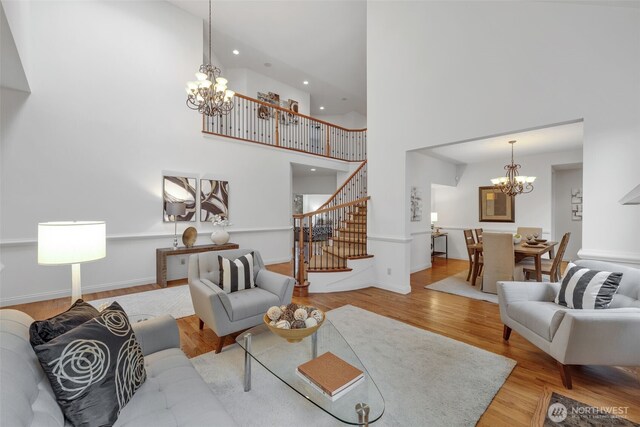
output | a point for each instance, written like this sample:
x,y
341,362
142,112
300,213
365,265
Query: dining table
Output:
x,y
521,250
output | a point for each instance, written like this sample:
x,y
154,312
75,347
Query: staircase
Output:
x,y
326,239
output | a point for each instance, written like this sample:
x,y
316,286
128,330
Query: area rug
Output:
x,y
457,285
425,378
175,301
566,412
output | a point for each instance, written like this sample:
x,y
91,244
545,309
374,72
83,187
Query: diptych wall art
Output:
x,y
179,189
214,199
576,204
416,204
265,112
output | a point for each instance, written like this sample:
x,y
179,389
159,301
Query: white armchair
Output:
x,y
575,336
229,313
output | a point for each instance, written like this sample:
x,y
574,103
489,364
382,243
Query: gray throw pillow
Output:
x,y
95,368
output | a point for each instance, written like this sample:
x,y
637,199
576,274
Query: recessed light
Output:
x,y
312,169
344,99
236,52
322,108
306,82
267,64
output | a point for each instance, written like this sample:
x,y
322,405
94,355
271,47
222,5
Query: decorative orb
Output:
x,y
310,322
288,316
317,314
274,313
292,307
283,324
300,314
273,323
310,310
298,324
283,307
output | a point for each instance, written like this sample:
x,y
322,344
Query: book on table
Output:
x,y
330,375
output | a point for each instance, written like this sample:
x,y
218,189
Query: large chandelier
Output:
x,y
513,183
209,98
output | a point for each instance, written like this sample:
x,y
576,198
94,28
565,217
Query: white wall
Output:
x,y
105,118
422,172
311,202
563,182
322,184
457,207
249,83
350,120
465,70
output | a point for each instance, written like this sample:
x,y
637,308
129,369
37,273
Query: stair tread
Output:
x,y
326,261
350,239
346,230
345,253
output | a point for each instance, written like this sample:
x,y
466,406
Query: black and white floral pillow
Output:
x,y
95,368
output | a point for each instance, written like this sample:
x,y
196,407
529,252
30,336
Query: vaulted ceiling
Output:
x,y
322,42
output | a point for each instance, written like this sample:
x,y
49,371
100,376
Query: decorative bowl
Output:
x,y
293,335
541,240
517,240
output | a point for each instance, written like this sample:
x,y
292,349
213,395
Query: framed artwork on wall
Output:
x,y
265,112
214,199
496,206
416,204
179,189
576,204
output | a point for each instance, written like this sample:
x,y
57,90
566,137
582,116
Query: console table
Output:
x,y
435,253
163,253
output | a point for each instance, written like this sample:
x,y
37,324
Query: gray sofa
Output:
x,y
229,313
173,394
576,337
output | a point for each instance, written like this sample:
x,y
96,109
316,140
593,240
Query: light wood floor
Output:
x,y
471,321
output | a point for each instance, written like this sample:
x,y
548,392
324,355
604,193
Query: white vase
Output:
x,y
219,236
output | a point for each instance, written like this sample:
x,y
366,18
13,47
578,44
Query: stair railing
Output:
x,y
316,234
354,187
264,123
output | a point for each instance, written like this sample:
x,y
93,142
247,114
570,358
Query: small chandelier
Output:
x,y
512,183
209,98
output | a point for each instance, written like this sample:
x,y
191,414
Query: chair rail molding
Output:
x,y
631,259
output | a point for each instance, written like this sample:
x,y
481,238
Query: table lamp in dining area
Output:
x,y
434,219
71,242
174,209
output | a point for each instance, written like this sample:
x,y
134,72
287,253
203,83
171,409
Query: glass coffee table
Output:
x,y
360,406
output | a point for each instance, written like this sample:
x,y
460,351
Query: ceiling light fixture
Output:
x,y
305,82
312,169
322,108
209,98
236,52
512,183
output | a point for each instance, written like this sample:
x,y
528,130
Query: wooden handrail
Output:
x,y
343,185
332,208
277,107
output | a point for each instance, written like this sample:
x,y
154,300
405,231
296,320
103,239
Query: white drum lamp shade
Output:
x,y
71,242
434,216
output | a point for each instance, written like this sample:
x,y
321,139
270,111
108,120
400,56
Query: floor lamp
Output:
x,y
71,242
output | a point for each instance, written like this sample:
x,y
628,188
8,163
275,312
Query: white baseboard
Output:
x,y
43,296
421,267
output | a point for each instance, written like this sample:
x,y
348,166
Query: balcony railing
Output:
x,y
263,123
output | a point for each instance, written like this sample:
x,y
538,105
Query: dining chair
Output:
x,y
499,260
550,267
479,235
470,240
529,231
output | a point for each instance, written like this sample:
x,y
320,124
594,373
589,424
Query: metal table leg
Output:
x,y
247,362
314,345
362,409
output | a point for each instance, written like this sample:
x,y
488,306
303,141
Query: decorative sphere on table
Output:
x,y
274,313
317,314
288,316
292,307
310,310
298,324
300,314
283,308
310,322
283,324
273,323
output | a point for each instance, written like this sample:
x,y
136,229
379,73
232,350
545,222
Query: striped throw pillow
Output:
x,y
587,289
236,275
